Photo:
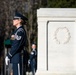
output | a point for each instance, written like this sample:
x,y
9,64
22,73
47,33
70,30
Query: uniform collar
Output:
x,y
33,49
19,26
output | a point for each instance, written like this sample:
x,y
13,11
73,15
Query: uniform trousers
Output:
x,y
32,64
17,69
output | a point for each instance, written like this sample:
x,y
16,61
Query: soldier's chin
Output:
x,y
14,24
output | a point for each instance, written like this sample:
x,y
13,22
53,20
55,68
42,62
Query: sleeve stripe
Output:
x,y
10,54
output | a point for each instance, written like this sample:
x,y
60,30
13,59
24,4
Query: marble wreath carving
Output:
x,y
62,35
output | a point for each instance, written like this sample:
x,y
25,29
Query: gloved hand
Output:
x,y
7,60
28,62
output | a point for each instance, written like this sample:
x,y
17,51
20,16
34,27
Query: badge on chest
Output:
x,y
15,37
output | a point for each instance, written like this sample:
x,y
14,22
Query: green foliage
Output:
x,y
61,3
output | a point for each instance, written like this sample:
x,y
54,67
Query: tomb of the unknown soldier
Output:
x,y
56,41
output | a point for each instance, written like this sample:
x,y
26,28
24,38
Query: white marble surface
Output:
x,y
61,47
56,41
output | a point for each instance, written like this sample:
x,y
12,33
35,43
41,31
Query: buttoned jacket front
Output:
x,y
18,43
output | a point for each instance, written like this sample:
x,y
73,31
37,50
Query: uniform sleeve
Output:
x,y
17,43
32,55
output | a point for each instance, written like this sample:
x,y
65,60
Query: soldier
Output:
x,y
18,42
33,59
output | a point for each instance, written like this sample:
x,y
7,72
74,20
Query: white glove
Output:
x,y
7,60
28,61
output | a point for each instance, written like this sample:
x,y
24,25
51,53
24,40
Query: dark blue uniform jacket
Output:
x,y
18,43
33,60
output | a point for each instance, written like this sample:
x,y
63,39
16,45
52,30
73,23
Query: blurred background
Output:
x,y
29,9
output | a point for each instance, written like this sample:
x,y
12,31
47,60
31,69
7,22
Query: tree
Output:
x,y
61,3
32,22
